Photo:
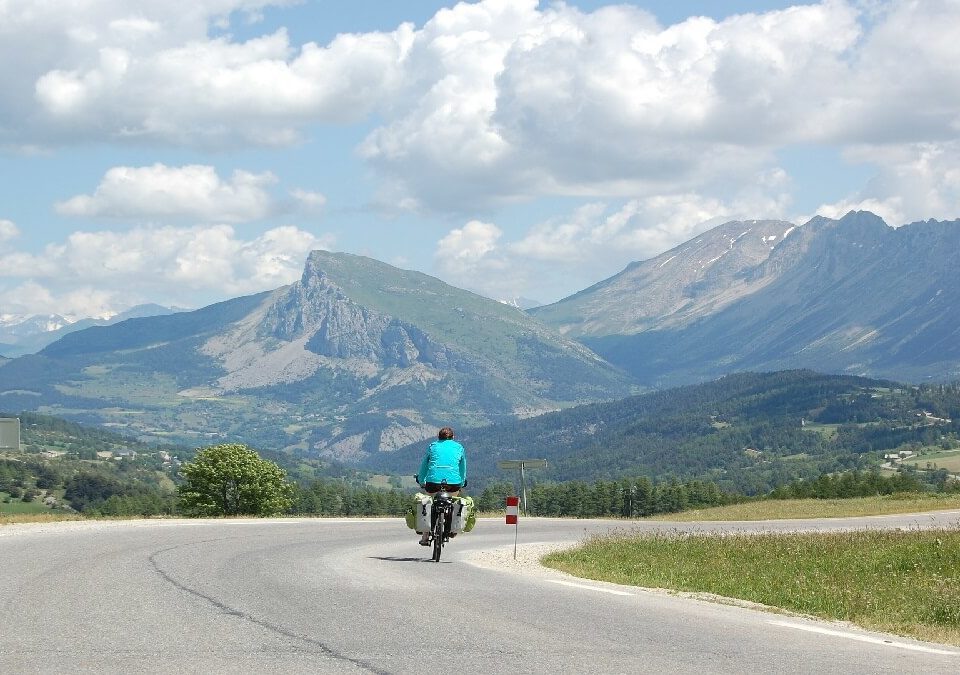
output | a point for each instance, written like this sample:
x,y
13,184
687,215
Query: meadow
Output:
x,y
936,458
783,509
10,506
905,582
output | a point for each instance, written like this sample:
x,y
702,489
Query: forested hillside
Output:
x,y
70,467
747,433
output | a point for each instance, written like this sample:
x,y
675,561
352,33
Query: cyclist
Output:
x,y
445,460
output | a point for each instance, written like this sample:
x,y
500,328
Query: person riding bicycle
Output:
x,y
445,460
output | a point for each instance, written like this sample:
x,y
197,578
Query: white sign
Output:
x,y
10,433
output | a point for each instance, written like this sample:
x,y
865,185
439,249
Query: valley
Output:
x,y
358,362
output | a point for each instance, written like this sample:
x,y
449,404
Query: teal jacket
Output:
x,y
444,460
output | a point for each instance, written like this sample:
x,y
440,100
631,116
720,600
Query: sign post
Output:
x,y
513,503
523,465
10,433
513,518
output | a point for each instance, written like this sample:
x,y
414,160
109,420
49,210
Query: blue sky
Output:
x,y
195,150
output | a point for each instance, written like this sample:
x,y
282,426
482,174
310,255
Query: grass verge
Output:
x,y
48,517
777,509
902,582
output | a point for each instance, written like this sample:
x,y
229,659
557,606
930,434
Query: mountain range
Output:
x,y
359,357
355,357
847,296
21,335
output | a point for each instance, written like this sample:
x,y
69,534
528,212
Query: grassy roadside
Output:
x,y
902,582
48,517
775,509
906,583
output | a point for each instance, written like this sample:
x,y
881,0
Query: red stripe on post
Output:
x,y
512,510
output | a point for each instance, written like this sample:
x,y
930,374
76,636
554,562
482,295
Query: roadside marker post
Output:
x,y
523,465
513,518
513,503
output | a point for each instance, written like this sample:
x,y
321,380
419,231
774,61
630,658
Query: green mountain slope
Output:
x,y
851,296
746,432
357,357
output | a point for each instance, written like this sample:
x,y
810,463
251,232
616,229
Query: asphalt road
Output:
x,y
341,596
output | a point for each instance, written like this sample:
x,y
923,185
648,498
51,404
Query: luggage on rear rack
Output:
x,y
417,516
418,513
464,515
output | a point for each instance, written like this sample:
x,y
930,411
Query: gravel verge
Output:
x,y
527,560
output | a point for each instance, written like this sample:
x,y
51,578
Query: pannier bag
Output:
x,y
417,516
464,515
418,513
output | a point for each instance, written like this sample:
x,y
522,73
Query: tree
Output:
x,y
86,491
233,480
492,498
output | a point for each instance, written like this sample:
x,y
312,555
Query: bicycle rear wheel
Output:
x,y
438,524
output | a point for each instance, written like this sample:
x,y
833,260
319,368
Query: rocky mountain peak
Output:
x,y
318,310
694,278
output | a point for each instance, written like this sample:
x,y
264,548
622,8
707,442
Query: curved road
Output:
x,y
343,596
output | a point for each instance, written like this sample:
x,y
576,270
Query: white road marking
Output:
x,y
588,588
863,638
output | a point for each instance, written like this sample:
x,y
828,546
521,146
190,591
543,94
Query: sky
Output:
x,y
186,152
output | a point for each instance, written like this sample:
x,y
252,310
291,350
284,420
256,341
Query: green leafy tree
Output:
x,y
233,480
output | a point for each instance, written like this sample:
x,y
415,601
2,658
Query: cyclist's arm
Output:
x,y
424,465
463,466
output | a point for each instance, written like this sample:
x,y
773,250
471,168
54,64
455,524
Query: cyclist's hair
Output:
x,y
446,433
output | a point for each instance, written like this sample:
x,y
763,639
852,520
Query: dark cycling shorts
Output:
x,y
436,487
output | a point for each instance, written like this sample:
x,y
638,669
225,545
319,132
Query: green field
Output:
x,y
828,431
943,459
382,481
16,506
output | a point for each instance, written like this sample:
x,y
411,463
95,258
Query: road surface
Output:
x,y
360,596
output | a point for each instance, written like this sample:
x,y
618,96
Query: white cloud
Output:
x,y
8,231
593,242
494,101
307,200
611,104
159,72
607,103
468,257
915,182
79,302
159,191
95,273
472,241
